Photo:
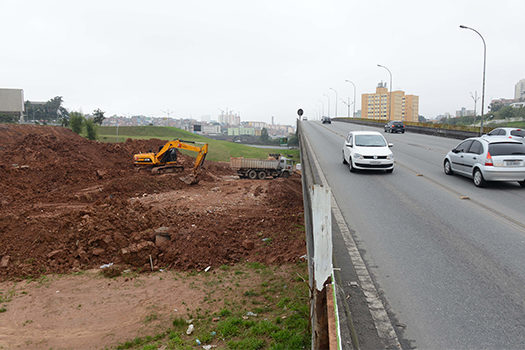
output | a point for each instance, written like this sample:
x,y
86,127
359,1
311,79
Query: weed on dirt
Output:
x,y
267,309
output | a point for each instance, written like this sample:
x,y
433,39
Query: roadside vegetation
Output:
x,y
491,121
248,306
218,150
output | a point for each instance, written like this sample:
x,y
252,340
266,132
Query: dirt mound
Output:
x,y
69,203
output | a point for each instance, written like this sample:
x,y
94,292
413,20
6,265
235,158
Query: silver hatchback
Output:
x,y
487,159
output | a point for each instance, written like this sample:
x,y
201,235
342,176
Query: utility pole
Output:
x,y
475,98
348,105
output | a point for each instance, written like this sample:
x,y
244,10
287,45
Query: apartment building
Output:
x,y
519,90
402,107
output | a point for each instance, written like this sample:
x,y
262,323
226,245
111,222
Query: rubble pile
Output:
x,y
69,204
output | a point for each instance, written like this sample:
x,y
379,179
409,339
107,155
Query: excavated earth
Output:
x,y
70,204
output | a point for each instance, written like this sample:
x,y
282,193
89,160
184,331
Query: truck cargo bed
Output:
x,y
242,163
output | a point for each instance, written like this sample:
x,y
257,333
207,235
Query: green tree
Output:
x,y
91,129
264,135
76,120
8,118
98,116
293,140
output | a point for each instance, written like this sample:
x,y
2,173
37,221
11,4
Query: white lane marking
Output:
x,y
385,329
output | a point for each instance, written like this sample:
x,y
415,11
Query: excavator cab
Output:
x,y
165,160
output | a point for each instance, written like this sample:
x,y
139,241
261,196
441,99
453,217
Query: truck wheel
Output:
x,y
252,174
286,174
261,175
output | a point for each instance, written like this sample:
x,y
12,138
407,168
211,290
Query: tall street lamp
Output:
x,y
328,97
349,81
390,93
484,64
335,102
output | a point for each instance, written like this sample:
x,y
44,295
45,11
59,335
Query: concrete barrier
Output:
x,y
454,134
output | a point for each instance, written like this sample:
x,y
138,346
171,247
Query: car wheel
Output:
x,y
479,181
447,168
522,183
286,174
344,160
403,131
252,174
350,166
261,175
389,171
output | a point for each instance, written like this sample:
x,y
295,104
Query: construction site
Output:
x,y
70,205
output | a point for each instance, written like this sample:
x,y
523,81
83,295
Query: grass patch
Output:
x,y
279,321
218,150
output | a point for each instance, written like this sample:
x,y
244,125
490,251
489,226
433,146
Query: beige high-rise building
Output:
x,y
403,107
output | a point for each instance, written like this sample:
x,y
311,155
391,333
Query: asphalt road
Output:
x,y
451,269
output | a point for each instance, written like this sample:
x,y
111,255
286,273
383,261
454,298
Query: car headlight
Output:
x,y
358,156
390,156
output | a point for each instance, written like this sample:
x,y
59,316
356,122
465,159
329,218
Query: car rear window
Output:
x,y
398,123
520,133
506,149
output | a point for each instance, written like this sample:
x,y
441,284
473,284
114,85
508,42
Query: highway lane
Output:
x,y
450,269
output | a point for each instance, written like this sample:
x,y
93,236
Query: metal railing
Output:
x,y
318,229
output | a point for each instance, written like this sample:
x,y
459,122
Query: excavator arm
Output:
x,y
162,162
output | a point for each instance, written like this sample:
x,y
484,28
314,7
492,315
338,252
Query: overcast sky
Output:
x,y
258,58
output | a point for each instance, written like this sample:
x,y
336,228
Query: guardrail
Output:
x,y
455,134
318,228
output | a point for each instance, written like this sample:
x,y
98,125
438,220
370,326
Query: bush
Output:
x,y
76,120
9,118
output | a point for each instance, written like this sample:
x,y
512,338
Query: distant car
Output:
x,y
488,158
367,150
508,132
326,120
395,126
304,118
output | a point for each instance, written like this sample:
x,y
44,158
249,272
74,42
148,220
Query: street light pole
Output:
x,y
322,105
349,81
390,93
335,116
484,65
328,97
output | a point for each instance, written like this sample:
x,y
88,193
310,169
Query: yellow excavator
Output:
x,y
165,160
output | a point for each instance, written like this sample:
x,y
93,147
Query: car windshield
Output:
x,y
370,141
506,149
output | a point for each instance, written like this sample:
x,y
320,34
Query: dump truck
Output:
x,y
262,168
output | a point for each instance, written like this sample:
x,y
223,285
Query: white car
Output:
x,y
367,150
508,132
488,158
